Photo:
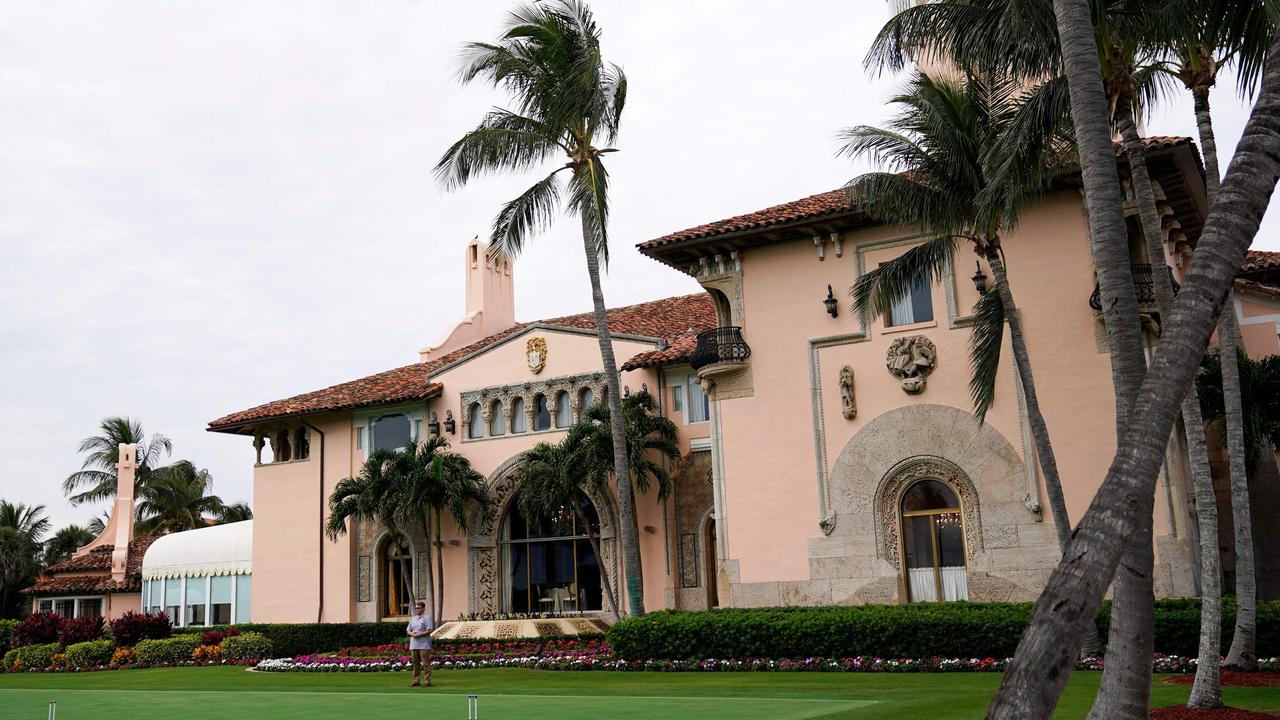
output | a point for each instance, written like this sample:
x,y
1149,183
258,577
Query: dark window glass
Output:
x,y
222,613
541,416
390,432
90,607
475,427
929,495
548,565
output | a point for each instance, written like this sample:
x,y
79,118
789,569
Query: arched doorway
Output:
x,y
709,561
547,563
395,581
933,543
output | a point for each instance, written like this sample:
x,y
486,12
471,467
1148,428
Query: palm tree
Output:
x,y
235,512
176,498
96,478
448,483
22,527
552,478
651,443
1201,36
568,106
377,494
947,177
64,543
98,523
1257,407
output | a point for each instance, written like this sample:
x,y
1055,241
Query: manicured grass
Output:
x,y
510,694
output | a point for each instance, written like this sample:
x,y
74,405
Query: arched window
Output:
x,y
519,423
301,444
586,399
475,425
395,561
564,410
390,432
933,543
547,562
497,420
541,415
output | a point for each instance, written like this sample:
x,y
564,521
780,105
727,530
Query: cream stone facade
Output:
x,y
825,460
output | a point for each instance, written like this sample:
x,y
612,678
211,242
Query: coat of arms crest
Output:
x,y
536,354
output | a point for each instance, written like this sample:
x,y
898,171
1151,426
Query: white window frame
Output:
x,y
75,603
362,424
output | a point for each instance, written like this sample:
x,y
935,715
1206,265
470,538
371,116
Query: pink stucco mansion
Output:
x,y
816,469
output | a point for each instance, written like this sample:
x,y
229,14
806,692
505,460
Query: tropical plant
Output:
x,y
946,174
176,498
98,523
22,528
64,543
96,478
552,478
235,512
651,442
569,104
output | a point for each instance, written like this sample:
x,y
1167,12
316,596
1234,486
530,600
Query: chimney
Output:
x,y
126,468
490,300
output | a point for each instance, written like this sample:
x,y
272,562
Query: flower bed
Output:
x,y
601,659
480,650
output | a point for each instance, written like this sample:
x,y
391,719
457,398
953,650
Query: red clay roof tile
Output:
x,y
96,562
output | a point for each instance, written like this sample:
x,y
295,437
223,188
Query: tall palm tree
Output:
x,y
446,483
947,176
235,512
1201,36
568,108
22,528
552,478
651,442
63,544
176,498
96,478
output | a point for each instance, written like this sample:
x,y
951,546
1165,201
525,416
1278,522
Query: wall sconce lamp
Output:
x,y
830,302
433,427
449,425
980,279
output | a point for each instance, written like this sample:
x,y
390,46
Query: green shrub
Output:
x,y
290,639
38,657
892,631
90,654
246,646
6,633
170,650
10,658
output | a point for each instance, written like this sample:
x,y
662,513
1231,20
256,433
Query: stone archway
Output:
x,y
482,541
888,503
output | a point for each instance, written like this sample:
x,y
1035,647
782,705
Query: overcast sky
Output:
x,y
209,205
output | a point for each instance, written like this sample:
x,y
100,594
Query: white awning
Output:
x,y
217,550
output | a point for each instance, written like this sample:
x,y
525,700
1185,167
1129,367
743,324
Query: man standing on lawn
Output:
x,y
419,630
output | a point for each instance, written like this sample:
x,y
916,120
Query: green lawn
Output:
x,y
509,694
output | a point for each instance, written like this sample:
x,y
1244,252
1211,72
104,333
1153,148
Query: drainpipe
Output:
x,y
320,596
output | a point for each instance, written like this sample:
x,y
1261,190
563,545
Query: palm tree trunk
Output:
x,y
1041,667
1039,430
1208,145
621,470
592,538
438,610
1243,654
1207,692
430,574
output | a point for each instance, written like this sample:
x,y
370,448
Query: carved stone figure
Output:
x,y
911,359
848,403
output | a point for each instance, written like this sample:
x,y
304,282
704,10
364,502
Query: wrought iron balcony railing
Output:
x,y
720,345
1142,285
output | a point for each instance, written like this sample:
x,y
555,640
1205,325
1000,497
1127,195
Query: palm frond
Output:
x,y
985,340
524,216
589,199
876,291
503,142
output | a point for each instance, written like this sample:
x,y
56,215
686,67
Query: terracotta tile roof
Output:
x,y
833,202
668,318
680,350
97,563
1270,291
1257,260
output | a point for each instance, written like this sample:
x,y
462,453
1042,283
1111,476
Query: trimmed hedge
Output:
x,y
922,630
170,650
30,657
90,654
246,646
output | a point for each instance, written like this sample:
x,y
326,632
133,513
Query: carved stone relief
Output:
x,y
505,396
901,477
911,359
688,560
535,353
364,569
848,403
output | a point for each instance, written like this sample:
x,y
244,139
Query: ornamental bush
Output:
x,y
6,634
90,654
81,629
38,629
246,646
215,637
36,657
131,627
170,650
10,661
302,638
922,630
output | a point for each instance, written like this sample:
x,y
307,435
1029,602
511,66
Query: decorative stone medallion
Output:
x,y
535,353
911,359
